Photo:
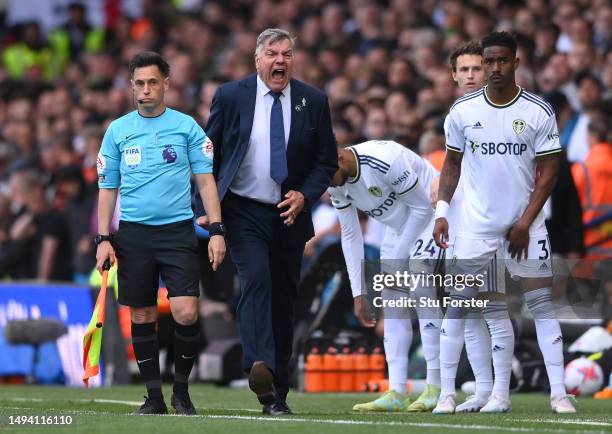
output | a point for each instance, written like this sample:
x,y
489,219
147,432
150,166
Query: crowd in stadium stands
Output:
x,y
383,64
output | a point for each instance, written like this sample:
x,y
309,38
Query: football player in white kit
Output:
x,y
503,133
468,72
390,183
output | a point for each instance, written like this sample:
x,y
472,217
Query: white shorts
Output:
x,y
494,276
473,256
425,256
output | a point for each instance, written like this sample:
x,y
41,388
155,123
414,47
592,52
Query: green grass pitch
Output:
x,y
223,410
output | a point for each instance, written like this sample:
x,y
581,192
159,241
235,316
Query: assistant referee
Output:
x,y
148,155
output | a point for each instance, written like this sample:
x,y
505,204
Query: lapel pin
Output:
x,y
298,108
303,102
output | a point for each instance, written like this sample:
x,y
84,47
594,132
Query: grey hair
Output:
x,y
273,35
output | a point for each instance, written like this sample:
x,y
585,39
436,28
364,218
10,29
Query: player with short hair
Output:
x,y
390,183
468,72
466,67
503,134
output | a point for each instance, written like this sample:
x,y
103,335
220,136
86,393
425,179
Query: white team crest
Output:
x,y
376,191
519,126
133,156
208,149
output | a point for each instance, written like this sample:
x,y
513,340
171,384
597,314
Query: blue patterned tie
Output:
x,y
278,156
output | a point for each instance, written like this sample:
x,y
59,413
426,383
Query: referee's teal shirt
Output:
x,y
149,160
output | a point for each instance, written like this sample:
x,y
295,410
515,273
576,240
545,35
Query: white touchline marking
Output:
x,y
27,399
123,402
109,401
383,423
117,401
332,421
562,421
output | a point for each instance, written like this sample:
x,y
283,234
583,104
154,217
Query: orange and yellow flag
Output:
x,y
92,341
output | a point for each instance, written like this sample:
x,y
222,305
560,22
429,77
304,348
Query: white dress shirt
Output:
x,y
253,177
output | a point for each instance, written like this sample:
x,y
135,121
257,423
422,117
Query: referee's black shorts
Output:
x,y
145,252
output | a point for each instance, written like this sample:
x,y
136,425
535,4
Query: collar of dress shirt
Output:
x,y
263,89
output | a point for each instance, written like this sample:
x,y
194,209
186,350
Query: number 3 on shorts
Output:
x,y
544,254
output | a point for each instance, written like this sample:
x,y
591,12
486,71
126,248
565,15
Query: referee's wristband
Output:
x,y
441,209
216,228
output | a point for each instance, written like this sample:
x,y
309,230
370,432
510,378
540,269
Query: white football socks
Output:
x,y
430,320
502,345
550,339
398,338
478,348
451,340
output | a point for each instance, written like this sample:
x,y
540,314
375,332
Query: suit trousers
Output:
x,y
268,261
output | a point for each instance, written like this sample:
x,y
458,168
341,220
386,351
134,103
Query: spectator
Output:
x,y
18,231
590,92
30,58
563,211
51,253
79,206
581,57
377,125
593,179
545,39
563,17
76,36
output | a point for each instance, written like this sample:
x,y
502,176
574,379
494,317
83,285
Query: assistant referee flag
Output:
x,y
92,341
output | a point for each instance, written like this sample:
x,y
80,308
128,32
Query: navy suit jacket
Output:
x,y
312,157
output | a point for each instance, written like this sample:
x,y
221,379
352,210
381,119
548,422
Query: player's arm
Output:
x,y
412,194
107,198
518,235
352,249
210,199
449,178
548,169
200,152
547,149
109,178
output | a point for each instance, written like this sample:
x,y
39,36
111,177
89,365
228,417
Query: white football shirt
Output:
x,y
500,144
386,171
391,186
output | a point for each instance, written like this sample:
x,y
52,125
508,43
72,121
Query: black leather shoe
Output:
x,y
152,406
277,409
260,382
183,405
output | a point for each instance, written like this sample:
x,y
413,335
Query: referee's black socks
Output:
x,y
146,349
186,340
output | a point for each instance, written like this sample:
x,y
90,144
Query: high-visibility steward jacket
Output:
x,y
17,58
436,158
593,179
60,42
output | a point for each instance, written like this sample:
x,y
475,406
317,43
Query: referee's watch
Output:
x,y
216,228
101,238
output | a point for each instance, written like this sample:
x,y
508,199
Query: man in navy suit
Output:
x,y
274,155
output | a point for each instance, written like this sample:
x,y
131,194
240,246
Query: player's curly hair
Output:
x,y
472,47
499,39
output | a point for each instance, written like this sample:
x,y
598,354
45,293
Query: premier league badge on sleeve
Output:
x,y
133,156
169,154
